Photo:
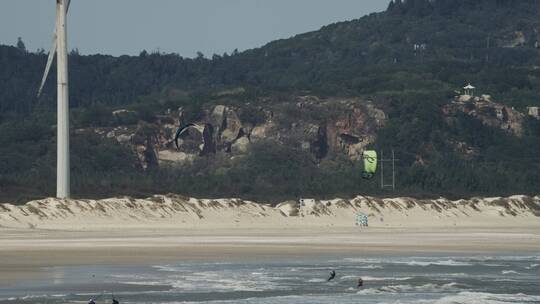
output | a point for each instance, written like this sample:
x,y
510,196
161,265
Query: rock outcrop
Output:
x,y
309,123
320,126
490,113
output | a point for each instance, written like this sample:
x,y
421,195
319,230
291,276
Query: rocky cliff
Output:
x,y
320,126
490,113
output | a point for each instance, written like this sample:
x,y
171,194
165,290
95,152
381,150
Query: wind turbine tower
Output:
x,y
60,48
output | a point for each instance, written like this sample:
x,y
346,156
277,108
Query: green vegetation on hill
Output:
x,y
410,59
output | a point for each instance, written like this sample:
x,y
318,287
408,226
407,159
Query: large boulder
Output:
x,y
351,132
217,118
240,146
231,127
126,117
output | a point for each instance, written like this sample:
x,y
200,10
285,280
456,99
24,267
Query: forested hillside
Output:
x,y
409,61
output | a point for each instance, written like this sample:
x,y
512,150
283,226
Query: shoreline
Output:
x,y
25,254
172,228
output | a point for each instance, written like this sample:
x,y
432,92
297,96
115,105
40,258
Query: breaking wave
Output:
x,y
432,288
487,298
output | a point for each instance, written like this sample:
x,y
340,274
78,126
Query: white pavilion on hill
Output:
x,y
469,90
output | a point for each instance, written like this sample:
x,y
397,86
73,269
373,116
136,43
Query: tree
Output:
x,y
20,44
75,52
439,152
395,7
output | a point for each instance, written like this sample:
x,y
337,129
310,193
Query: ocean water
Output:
x,y
399,280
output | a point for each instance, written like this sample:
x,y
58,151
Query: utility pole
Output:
x,y
393,161
393,171
382,169
487,47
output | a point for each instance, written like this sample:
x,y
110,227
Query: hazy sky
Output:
x,y
181,26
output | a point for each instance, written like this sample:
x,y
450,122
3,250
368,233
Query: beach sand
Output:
x,y
25,253
161,229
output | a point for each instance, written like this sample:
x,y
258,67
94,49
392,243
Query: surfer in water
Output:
x,y
332,275
360,283
91,301
114,301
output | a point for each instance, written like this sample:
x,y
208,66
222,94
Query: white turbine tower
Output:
x,y
59,48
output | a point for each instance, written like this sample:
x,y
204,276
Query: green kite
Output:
x,y
370,164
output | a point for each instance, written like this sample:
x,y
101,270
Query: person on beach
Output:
x,y
360,283
332,275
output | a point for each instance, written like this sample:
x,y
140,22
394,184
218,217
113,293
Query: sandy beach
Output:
x,y
162,229
25,253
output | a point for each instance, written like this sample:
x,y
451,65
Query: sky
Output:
x,y
119,27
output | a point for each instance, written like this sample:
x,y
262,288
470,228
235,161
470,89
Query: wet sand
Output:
x,y
25,253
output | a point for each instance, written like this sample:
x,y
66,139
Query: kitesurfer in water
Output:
x,y
332,275
360,283
91,301
114,301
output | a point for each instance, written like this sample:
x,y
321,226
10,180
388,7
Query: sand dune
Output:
x,y
173,211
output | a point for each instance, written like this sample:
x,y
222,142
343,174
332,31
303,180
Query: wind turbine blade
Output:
x,y
68,2
52,53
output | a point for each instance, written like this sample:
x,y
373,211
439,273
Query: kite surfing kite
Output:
x,y
370,164
208,145
183,129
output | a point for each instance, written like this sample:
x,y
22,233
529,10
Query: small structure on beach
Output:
x,y
362,220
